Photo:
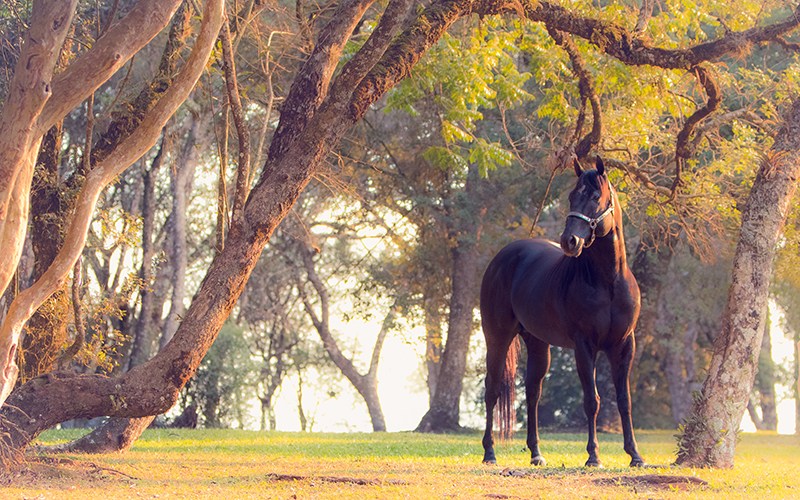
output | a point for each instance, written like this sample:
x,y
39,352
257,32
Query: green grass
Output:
x,y
227,465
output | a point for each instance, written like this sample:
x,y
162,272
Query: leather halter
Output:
x,y
594,222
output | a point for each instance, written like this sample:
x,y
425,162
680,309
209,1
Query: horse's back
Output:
x,y
519,272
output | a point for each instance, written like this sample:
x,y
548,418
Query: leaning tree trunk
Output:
x,y
709,437
117,434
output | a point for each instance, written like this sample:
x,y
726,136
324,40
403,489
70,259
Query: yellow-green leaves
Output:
x,y
465,75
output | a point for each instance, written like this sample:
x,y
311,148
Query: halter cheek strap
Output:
x,y
593,222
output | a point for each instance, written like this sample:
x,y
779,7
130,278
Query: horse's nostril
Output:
x,y
573,241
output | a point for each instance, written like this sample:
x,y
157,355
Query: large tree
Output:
x,y
321,107
709,436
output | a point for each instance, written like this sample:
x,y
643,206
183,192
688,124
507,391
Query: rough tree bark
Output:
x,y
709,436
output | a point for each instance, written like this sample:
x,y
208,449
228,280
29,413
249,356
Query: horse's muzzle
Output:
x,y
571,245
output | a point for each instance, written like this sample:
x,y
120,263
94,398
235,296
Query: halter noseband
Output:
x,y
594,222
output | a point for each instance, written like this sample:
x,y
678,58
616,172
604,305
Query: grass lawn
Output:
x,y
228,464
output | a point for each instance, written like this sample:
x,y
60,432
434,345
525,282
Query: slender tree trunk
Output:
x,y
178,255
301,413
46,331
444,413
433,344
365,384
143,343
679,371
709,437
763,397
797,385
765,383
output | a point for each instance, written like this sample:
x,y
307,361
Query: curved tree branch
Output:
x,y
311,84
587,92
122,40
365,59
618,42
242,131
610,38
684,148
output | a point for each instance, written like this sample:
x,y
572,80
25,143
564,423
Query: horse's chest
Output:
x,y
604,314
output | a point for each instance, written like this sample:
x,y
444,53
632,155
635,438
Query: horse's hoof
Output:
x,y
637,462
491,461
538,460
594,463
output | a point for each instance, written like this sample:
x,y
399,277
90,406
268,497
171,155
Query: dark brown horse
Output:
x,y
581,296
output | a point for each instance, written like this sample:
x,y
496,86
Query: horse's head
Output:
x,y
591,208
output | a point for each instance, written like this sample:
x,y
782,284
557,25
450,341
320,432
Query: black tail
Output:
x,y
506,409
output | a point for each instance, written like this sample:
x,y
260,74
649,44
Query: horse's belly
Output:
x,y
541,325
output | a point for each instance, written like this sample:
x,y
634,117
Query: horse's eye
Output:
x,y
595,196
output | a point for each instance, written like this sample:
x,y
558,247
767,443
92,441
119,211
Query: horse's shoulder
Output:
x,y
533,257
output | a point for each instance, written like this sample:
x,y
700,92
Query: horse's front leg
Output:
x,y
585,357
621,360
538,364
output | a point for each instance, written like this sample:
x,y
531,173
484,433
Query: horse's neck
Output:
x,y
606,256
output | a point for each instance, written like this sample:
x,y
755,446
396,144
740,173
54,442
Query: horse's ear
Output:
x,y
601,168
578,168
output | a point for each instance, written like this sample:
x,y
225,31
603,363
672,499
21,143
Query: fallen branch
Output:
x,y
334,479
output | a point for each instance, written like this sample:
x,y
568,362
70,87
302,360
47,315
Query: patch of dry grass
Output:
x,y
226,464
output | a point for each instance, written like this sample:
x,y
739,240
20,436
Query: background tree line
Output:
x,y
389,210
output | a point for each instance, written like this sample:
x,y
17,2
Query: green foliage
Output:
x,y
462,76
224,381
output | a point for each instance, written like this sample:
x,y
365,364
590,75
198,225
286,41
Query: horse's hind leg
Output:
x,y
538,364
621,359
585,357
497,345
